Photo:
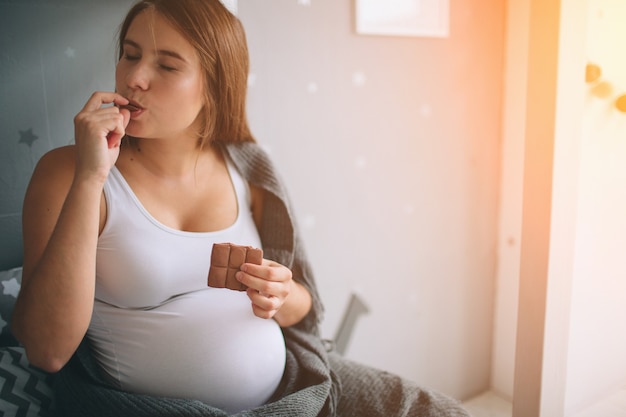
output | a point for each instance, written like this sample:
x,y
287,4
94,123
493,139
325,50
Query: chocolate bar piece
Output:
x,y
226,259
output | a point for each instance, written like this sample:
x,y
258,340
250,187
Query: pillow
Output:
x,y
10,283
25,391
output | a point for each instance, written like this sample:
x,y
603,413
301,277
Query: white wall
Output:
x,y
390,147
586,283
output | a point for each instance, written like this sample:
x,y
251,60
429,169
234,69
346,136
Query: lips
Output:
x,y
133,107
130,107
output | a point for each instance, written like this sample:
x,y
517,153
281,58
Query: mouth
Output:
x,y
133,107
130,107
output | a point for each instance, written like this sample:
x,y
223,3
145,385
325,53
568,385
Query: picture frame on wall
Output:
x,y
422,18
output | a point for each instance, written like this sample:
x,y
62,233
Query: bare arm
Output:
x,y
61,221
54,307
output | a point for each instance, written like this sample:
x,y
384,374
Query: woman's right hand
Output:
x,y
99,130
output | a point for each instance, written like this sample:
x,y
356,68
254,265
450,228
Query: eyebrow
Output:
x,y
165,52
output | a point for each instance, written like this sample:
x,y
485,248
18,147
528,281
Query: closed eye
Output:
x,y
167,68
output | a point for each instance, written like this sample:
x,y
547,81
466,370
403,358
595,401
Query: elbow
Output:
x,y
42,355
46,361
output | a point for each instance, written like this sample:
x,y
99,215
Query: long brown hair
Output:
x,y
220,41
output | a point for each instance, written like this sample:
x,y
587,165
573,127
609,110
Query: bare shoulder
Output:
x,y
57,161
53,174
44,198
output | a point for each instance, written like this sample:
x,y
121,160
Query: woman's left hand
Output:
x,y
269,285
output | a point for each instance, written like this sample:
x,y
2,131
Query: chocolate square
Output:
x,y
226,259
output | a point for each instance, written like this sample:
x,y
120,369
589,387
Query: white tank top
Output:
x,y
158,329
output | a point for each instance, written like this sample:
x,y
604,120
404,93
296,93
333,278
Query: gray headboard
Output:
x,y
54,54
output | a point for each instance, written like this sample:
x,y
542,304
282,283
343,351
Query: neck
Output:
x,y
165,158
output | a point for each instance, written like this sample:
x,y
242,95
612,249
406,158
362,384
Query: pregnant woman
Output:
x,y
118,233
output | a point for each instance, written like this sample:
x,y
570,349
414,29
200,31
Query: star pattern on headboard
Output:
x,y
28,137
11,287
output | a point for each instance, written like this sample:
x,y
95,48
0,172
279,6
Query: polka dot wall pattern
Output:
x,y
389,153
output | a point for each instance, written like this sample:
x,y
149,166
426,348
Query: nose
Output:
x,y
136,76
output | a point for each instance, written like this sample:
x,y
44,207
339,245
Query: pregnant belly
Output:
x,y
206,345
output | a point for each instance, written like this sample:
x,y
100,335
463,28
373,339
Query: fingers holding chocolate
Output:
x,y
264,305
